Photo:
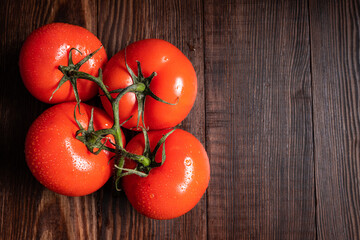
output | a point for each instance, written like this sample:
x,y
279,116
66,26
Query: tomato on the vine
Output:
x,y
175,83
175,187
61,162
48,47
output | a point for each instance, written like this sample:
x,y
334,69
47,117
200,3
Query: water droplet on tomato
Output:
x,y
178,86
189,168
165,59
188,162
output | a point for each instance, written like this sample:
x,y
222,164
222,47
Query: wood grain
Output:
x,y
336,65
259,120
277,109
180,23
28,210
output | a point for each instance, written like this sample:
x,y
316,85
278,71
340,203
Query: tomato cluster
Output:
x,y
73,148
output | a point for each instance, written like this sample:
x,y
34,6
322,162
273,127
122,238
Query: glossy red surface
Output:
x,y
175,82
61,162
47,48
174,188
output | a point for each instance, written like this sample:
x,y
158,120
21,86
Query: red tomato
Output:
x,y
174,188
175,83
61,162
47,48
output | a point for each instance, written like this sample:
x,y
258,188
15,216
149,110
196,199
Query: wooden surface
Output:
x,y
277,109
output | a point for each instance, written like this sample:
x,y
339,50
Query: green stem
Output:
x,y
93,139
145,161
116,127
84,75
138,87
106,131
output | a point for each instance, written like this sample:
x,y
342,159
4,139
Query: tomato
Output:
x,y
175,83
48,47
174,188
61,162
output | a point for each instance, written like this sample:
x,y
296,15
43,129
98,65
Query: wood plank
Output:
x,y
179,22
27,209
259,120
335,68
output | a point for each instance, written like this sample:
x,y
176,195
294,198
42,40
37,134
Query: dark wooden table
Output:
x,y
277,109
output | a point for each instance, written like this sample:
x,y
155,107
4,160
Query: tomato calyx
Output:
x,y
70,69
96,141
140,86
91,138
142,91
141,169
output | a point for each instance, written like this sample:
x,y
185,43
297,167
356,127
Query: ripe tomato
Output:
x,y
174,188
61,162
48,47
174,83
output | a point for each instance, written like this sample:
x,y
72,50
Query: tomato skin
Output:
x,y
174,188
48,47
61,162
175,83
